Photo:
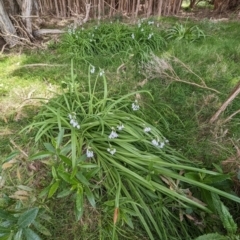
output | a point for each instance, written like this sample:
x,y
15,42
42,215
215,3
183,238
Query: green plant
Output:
x,y
180,32
20,223
132,171
109,39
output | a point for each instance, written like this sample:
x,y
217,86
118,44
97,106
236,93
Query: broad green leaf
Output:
x,y
45,191
54,173
66,160
40,155
64,193
41,228
90,196
67,177
79,200
49,147
30,234
18,235
53,188
7,215
27,217
82,179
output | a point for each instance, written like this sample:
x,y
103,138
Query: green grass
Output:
x,y
187,108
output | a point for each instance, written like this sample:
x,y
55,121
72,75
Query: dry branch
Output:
x,y
232,96
162,67
40,32
43,65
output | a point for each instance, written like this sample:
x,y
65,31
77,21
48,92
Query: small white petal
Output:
x,y
162,144
89,153
112,135
155,142
120,127
147,129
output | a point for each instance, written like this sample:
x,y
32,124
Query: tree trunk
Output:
x,y
8,31
26,14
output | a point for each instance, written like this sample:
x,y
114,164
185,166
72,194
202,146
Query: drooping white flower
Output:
x,y
113,135
155,142
147,129
139,24
73,120
161,144
150,22
101,73
120,127
89,153
111,150
133,36
150,35
92,70
135,106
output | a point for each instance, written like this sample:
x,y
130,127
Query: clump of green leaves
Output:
x,y
101,148
108,39
22,224
181,32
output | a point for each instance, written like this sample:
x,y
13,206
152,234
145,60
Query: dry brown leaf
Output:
x,y
115,216
21,193
19,197
9,164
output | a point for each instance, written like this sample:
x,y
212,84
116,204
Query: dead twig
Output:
x,y
231,116
2,50
162,67
232,96
43,65
18,148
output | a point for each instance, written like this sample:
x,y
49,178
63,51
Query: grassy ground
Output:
x,y
187,108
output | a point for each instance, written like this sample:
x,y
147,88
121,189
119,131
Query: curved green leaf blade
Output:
x,y
30,234
27,217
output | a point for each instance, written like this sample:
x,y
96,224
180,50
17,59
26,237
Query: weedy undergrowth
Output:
x,y
101,149
108,39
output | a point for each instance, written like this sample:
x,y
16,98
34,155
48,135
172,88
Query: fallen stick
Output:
x,y
232,96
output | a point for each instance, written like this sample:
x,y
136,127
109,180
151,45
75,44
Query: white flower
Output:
x,y
133,36
166,141
92,70
73,120
147,129
135,106
155,142
113,134
142,29
158,25
111,150
150,35
161,144
101,73
139,24
150,22
89,153
120,127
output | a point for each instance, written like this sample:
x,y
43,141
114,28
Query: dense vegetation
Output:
x,y
122,147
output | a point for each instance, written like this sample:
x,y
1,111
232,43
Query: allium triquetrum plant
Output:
x,y
104,150
109,39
